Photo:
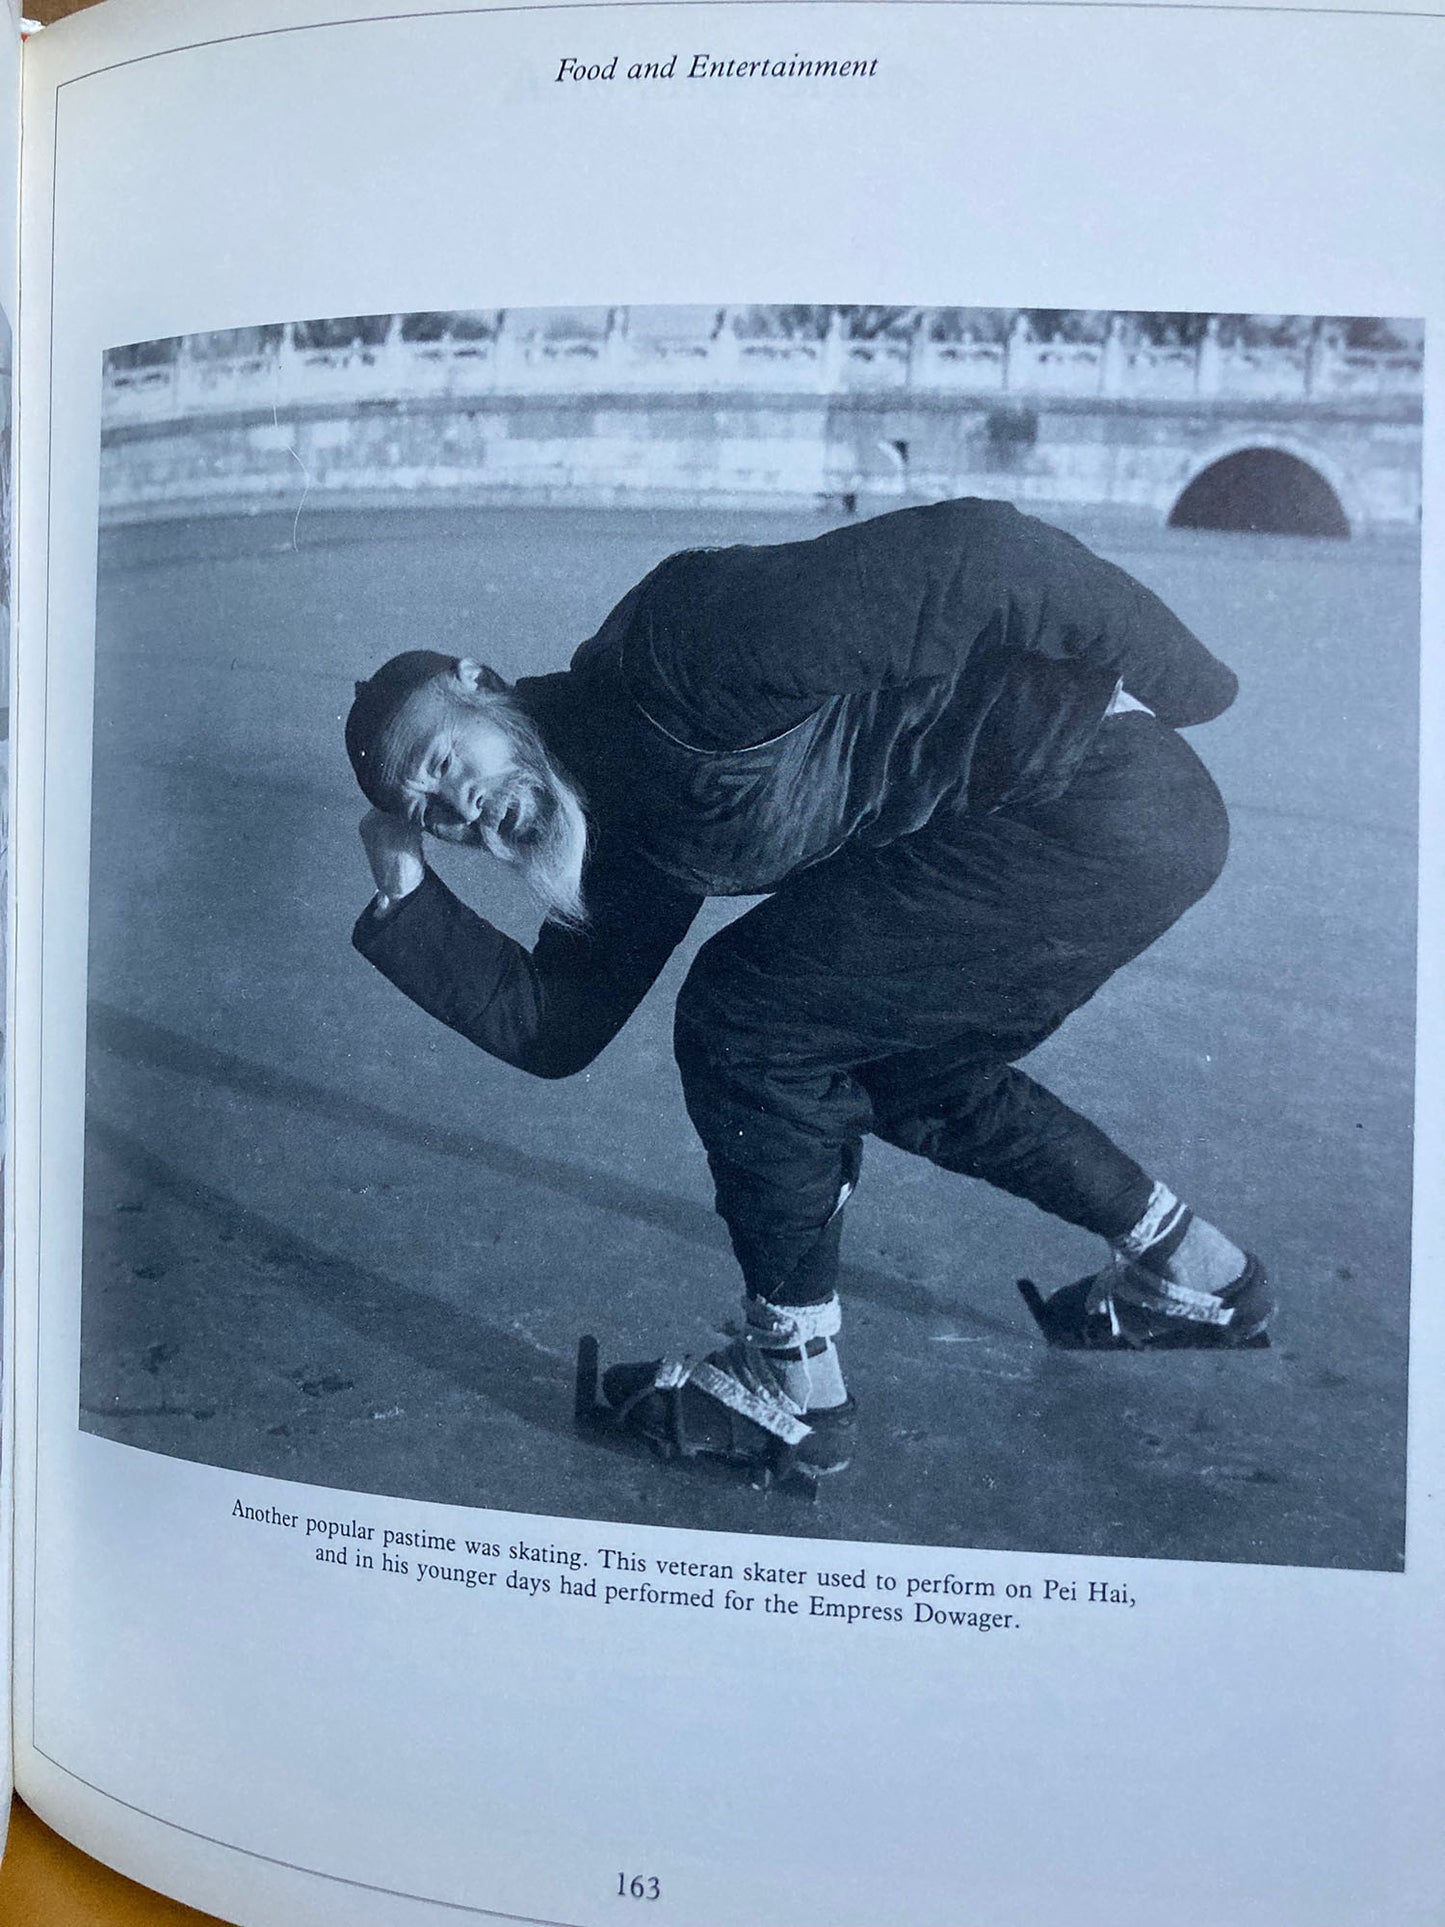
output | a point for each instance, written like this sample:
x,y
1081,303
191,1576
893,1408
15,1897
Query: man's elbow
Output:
x,y
1202,702
1219,696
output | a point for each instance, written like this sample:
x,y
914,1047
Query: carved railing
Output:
x,y
762,351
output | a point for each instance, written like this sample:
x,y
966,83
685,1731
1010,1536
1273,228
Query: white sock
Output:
x,y
812,1382
1181,1248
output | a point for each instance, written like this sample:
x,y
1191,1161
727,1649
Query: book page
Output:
x,y
1009,387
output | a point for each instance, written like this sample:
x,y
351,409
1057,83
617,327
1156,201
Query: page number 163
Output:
x,y
639,1886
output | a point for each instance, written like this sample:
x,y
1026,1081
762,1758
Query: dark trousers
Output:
x,y
892,989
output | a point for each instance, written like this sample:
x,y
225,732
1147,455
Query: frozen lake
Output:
x,y
327,1240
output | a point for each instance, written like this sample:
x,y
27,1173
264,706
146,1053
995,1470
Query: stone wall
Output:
x,y
623,416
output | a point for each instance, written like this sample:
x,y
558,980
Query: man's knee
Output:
x,y
714,1009
1190,850
726,1044
1193,861
762,1077
743,1002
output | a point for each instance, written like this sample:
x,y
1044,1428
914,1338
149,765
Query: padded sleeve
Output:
x,y
549,1010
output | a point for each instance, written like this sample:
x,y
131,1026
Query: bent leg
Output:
x,y
891,988
997,1124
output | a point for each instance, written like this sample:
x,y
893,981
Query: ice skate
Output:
x,y
1126,1308
747,1406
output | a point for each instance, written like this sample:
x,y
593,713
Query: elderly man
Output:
x,y
942,745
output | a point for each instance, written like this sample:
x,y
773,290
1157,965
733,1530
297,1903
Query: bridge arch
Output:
x,y
1265,487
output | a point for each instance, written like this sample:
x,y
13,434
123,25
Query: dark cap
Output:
x,y
406,697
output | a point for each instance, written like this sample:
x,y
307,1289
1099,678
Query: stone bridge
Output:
x,y
1277,424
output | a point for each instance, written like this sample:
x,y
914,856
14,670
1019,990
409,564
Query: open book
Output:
x,y
861,570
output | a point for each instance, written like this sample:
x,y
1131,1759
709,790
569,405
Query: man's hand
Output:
x,y
393,849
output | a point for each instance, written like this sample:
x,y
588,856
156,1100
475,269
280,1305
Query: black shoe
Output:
x,y
1089,1315
697,1409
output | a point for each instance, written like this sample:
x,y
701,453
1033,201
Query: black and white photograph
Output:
x,y
778,919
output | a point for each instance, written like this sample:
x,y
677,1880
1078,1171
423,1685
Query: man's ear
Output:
x,y
479,679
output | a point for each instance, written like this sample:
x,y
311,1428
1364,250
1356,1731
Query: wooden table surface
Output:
x,y
47,10
45,1882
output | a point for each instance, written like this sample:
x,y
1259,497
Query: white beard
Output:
x,y
537,826
551,863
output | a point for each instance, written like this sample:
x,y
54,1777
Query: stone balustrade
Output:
x,y
757,351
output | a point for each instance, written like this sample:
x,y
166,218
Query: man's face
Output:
x,y
460,763
467,785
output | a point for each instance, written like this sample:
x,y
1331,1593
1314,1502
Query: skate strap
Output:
x,y
1204,1307
773,1327
1131,1286
769,1413
792,1354
1164,1217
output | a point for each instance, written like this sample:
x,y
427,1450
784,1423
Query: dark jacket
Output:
x,y
745,712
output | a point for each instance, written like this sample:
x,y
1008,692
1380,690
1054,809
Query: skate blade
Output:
x,y
802,1482
789,1481
592,1414
1034,1299
1063,1329
1062,1320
